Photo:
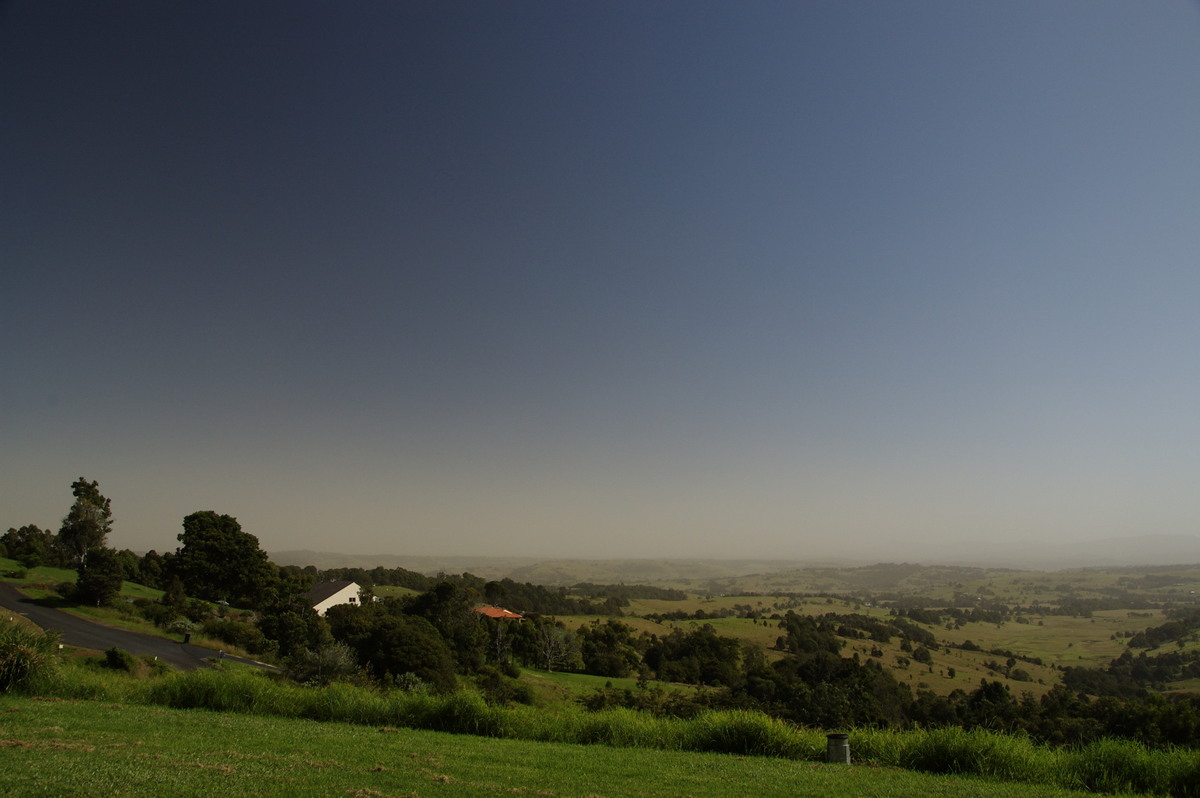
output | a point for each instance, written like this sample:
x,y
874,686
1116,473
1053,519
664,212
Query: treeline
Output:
x,y
628,592
527,598
1135,676
398,577
1182,623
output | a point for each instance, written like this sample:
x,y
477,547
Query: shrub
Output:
x,y
238,634
182,626
119,660
161,615
28,659
335,662
412,683
499,688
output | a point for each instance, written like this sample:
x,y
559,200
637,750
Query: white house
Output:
x,y
330,594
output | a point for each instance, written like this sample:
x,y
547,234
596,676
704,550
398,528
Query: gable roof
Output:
x,y
318,593
498,612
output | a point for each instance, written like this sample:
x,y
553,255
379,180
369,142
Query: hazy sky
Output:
x,y
610,279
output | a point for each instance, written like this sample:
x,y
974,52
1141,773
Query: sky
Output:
x,y
603,280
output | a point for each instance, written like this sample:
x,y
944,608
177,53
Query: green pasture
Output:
x,y
1055,639
559,686
42,574
395,591
764,605
1060,639
638,625
83,748
38,582
943,583
1049,587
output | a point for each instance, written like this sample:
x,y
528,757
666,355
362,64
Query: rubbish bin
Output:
x,y
187,637
837,748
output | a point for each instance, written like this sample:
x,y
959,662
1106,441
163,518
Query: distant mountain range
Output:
x,y
1044,556
1139,550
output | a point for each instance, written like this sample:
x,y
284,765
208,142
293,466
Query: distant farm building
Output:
x,y
499,613
330,594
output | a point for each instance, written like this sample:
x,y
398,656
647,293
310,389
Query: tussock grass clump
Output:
x,y
96,684
626,728
1124,766
976,752
344,703
226,691
29,658
465,713
752,734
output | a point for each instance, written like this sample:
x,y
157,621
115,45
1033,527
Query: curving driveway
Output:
x,y
80,633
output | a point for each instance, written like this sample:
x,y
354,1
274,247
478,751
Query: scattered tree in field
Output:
x,y
218,561
100,577
88,523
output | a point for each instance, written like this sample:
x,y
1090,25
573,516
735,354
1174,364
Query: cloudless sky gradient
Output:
x,y
618,279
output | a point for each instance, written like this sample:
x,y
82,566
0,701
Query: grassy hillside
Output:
x,y
82,748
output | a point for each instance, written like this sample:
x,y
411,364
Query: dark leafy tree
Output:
x,y
450,609
608,649
391,644
174,593
699,656
218,561
30,545
152,569
131,566
88,523
100,576
294,625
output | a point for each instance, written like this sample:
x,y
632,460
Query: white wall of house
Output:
x,y
347,595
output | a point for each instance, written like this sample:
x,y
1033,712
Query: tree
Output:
x,y
151,569
100,577
88,523
391,644
334,662
449,609
218,561
294,625
556,646
29,545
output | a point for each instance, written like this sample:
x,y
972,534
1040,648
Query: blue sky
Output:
x,y
603,280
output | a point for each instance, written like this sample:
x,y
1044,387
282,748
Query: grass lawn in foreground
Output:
x,y
80,748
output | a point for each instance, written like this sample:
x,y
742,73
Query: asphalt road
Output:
x,y
78,633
